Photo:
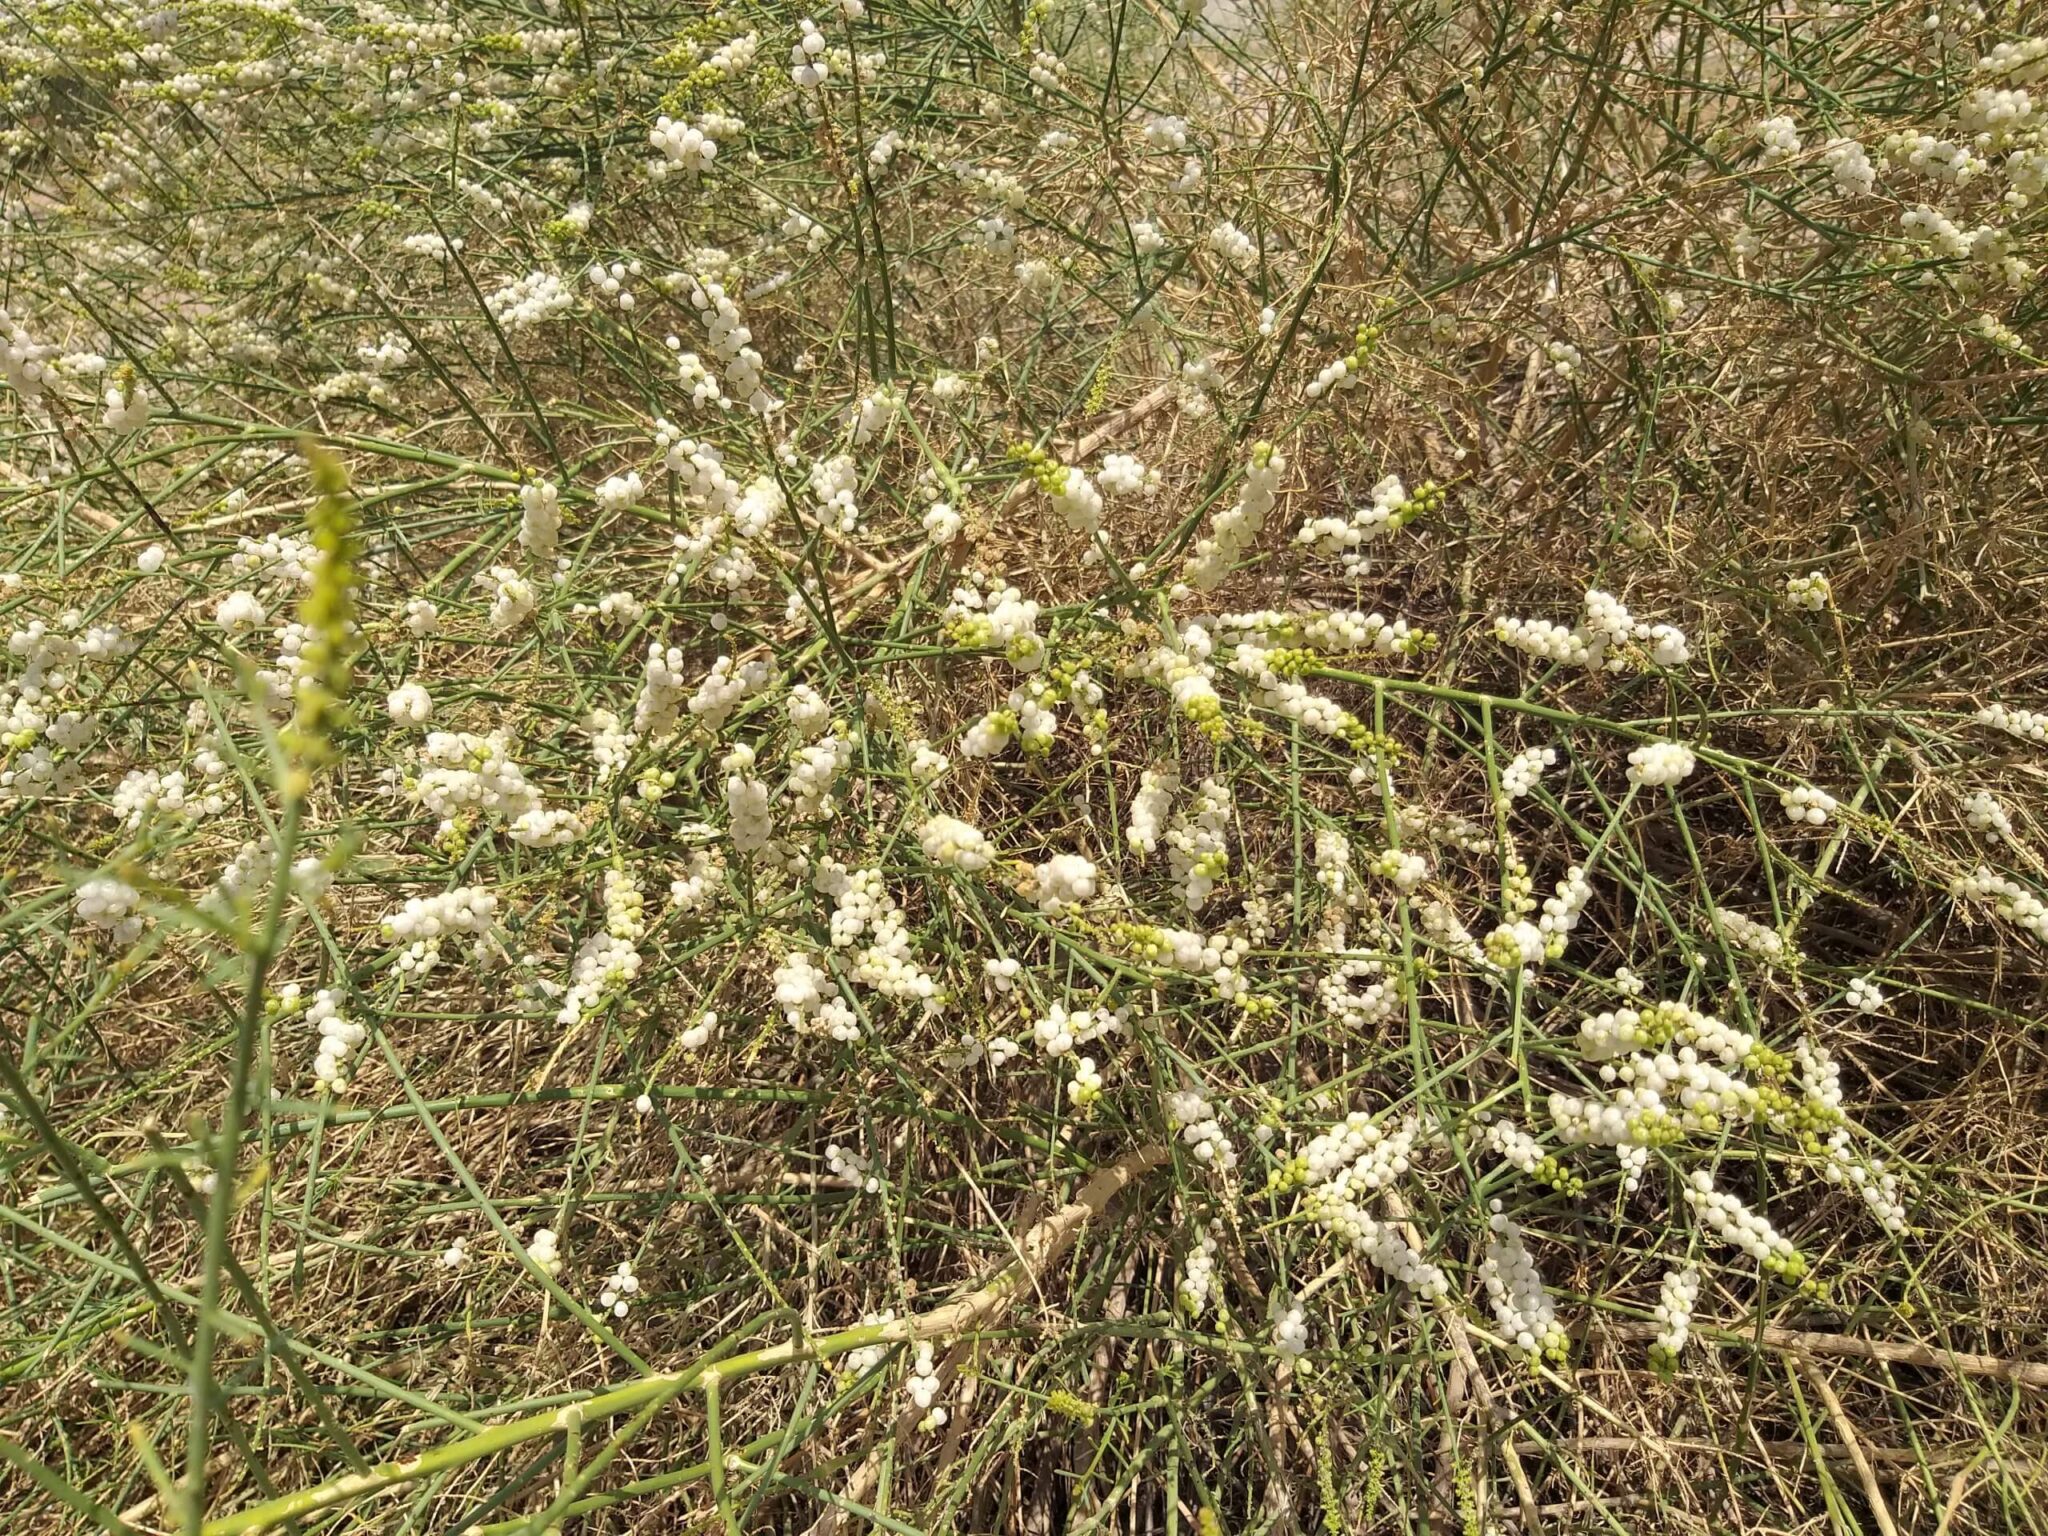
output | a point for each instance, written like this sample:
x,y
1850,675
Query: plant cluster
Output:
x,y
983,766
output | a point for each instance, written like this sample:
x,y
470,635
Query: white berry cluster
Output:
x,y
422,922
1290,1334
750,826
2026,724
1514,1287
814,775
606,962
922,1385
409,704
1195,1118
1403,869
513,598
545,1249
810,1000
145,793
1524,771
1059,1030
540,516
1848,162
1747,933
1562,910
1197,1286
725,687
950,841
1333,630
1607,638
2006,897
1660,762
1379,1242
685,147
1777,139
1197,843
986,613
1145,822
1676,1297
1333,865
1735,1224
1233,531
1074,497
863,906
1389,509
1522,1151
1987,818
1868,1178
1234,245
1065,880
1357,994
619,1289
339,1037
850,1165
528,301
1806,806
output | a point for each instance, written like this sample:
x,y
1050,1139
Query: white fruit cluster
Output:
x,y
921,1386
852,1166
513,598
2006,897
2026,724
863,906
1197,1284
1987,817
1747,933
810,1000
1806,806
1524,771
606,962
1738,1226
1777,139
814,774
1146,820
1347,538
339,1037
1660,762
749,826
1290,1334
1403,869
409,704
1676,1297
1514,1287
1064,880
950,841
1194,1117
1333,864
1197,843
1607,638
1075,498
423,922
1060,1029
1356,993
1219,552
529,301
545,1249
616,1295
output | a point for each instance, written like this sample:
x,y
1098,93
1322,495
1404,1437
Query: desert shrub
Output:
x,y
966,766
